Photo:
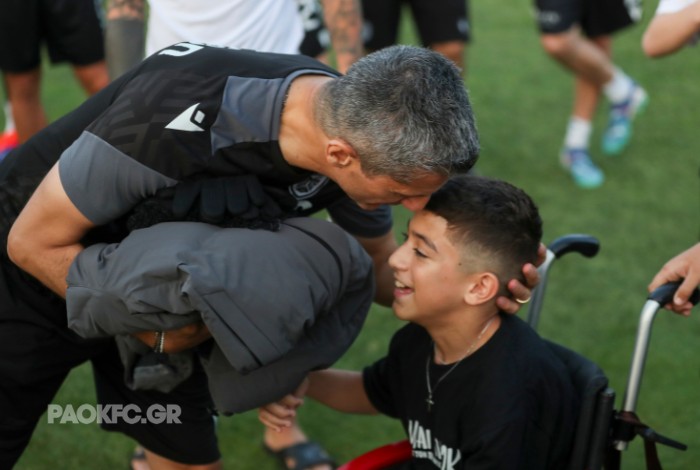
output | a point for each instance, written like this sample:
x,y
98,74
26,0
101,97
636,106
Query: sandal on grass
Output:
x,y
301,456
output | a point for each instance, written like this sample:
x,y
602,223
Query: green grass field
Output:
x,y
646,212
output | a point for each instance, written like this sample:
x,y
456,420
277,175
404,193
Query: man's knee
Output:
x,y
23,86
453,50
560,45
93,77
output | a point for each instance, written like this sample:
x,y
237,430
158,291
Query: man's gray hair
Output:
x,y
405,111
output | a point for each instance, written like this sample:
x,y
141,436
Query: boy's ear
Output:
x,y
339,153
481,288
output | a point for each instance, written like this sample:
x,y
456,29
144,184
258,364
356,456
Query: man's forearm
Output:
x,y
343,20
124,35
669,32
45,238
125,9
51,268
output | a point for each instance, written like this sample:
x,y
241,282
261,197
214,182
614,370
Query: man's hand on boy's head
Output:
x,y
522,293
541,258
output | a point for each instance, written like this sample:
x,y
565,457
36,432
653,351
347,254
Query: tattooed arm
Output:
x,y
343,19
132,9
124,35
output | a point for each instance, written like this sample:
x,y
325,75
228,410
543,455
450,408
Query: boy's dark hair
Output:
x,y
498,222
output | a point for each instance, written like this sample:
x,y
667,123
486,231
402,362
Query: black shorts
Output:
x,y
437,21
37,352
191,441
316,37
71,30
595,17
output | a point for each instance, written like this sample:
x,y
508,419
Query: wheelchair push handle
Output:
x,y
585,245
655,300
664,294
658,298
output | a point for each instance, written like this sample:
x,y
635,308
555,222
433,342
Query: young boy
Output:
x,y
473,387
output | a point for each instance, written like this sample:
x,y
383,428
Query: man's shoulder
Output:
x,y
223,61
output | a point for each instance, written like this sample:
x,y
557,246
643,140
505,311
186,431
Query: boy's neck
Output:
x,y
465,334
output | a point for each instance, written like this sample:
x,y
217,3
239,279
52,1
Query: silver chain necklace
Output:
x,y
431,390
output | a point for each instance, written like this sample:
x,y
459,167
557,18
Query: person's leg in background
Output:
x,y
23,92
588,58
188,442
380,23
82,47
20,42
31,23
8,137
92,77
445,27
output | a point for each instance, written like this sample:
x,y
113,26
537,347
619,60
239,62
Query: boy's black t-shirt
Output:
x,y
510,405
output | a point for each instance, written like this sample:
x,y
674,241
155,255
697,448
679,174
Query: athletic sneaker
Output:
x,y
619,130
582,169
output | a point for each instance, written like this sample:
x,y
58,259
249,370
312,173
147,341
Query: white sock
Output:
x,y
619,88
9,122
578,133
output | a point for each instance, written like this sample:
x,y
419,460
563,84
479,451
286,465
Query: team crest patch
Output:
x,y
309,187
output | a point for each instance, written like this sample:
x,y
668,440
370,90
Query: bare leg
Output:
x,y
286,438
93,77
156,462
587,93
23,91
583,57
453,50
590,64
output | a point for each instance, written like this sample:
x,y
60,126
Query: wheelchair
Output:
x,y
602,432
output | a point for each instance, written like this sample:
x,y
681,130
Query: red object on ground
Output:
x,y
8,141
381,457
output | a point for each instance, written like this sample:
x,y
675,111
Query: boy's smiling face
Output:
x,y
429,278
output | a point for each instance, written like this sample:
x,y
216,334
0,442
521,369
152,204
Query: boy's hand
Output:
x,y
684,266
518,290
280,414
